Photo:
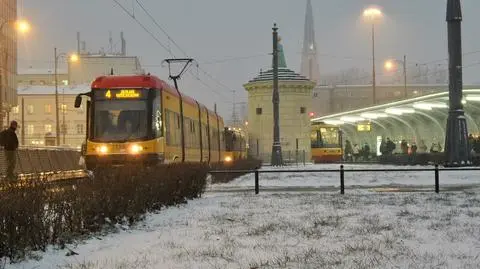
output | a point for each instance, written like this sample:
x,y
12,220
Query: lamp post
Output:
x,y
276,159
372,14
389,65
73,58
22,27
456,141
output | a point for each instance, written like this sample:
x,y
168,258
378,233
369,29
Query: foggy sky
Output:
x,y
211,30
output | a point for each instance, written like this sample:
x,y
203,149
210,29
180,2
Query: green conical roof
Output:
x,y
284,74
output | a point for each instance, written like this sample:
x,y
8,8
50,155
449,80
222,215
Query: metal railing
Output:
x,y
436,173
51,163
290,157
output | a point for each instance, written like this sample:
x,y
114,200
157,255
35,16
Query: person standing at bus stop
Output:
x,y
9,141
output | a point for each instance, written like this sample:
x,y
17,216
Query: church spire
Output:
x,y
309,67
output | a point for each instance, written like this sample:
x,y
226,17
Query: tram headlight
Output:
x,y
102,149
135,149
228,159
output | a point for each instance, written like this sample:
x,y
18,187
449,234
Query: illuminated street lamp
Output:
x,y
392,64
372,15
72,58
21,26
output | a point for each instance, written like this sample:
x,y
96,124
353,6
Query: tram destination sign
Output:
x,y
120,94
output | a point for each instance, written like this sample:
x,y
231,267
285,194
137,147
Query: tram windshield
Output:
x,y
120,120
234,141
325,137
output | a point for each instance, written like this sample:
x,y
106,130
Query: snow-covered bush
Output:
x,y
37,214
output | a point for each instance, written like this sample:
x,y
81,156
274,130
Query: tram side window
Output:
x,y
228,141
204,136
222,143
213,140
316,138
157,123
325,138
176,131
168,127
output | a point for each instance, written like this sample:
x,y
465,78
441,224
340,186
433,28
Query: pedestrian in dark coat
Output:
x,y
9,141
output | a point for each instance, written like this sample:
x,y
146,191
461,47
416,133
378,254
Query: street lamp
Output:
x,y
21,26
73,58
390,65
372,14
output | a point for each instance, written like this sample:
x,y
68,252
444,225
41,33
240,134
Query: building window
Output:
x,y
259,111
79,128
48,128
63,108
315,94
15,110
30,109
30,129
303,110
48,109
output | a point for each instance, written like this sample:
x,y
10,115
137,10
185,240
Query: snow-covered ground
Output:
x,y
362,229
353,180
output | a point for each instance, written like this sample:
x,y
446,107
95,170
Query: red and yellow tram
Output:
x,y
326,143
142,118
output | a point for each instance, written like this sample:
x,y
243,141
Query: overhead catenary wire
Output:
x,y
206,73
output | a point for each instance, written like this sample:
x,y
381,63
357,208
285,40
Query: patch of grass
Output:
x,y
372,224
264,229
327,221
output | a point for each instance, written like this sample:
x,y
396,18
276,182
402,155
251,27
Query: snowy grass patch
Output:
x,y
294,230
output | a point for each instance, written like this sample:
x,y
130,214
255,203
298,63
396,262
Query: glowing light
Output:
x,y
135,149
399,111
22,26
372,13
373,115
127,94
102,149
228,159
311,46
429,106
389,65
334,122
422,106
74,58
311,114
351,119
473,98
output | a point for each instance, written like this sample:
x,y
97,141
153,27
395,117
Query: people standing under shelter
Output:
x,y
356,152
404,146
348,150
366,152
390,146
9,141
